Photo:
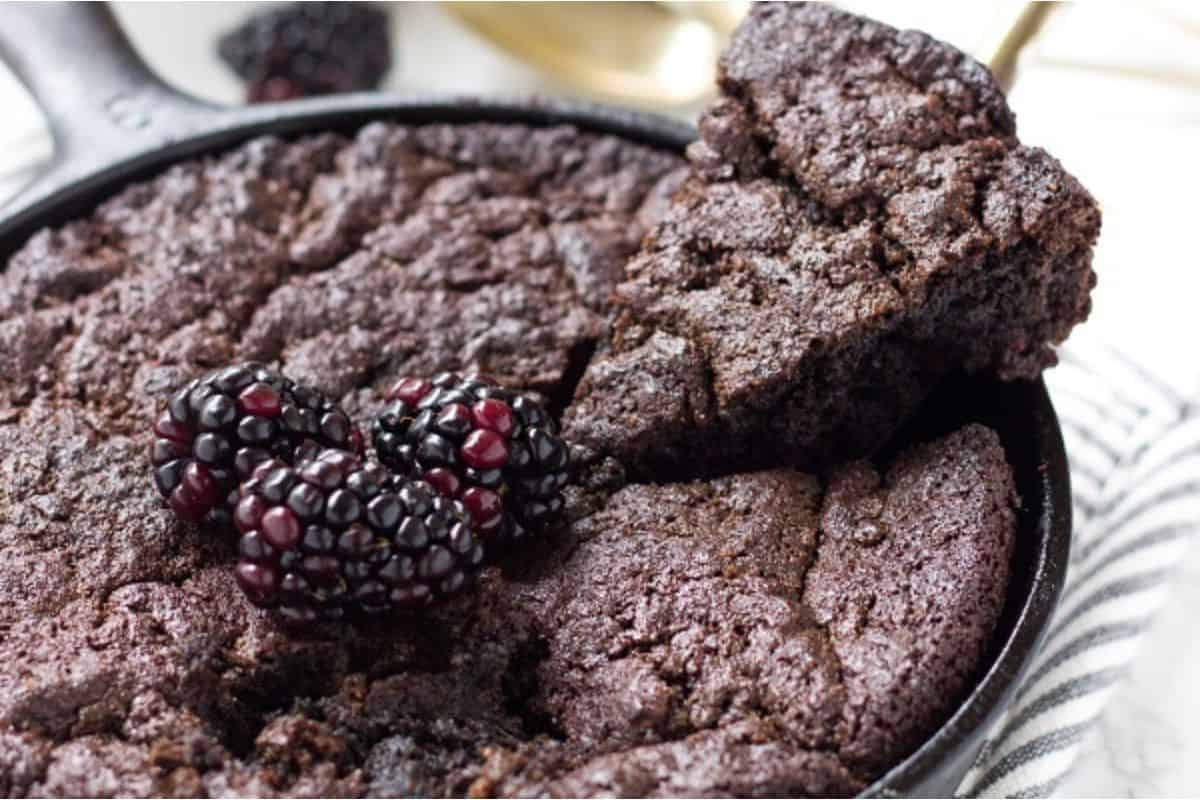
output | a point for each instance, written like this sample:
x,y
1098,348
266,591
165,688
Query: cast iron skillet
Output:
x,y
115,122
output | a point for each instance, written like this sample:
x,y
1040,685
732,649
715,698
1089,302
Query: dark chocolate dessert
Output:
x,y
753,632
861,222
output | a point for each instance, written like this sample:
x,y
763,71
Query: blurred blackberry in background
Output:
x,y
303,49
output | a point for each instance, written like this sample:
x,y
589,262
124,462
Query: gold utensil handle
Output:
x,y
663,54
1001,57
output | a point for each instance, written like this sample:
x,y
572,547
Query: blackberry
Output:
x,y
496,450
218,428
303,49
335,535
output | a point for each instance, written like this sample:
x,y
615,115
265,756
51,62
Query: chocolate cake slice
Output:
x,y
862,221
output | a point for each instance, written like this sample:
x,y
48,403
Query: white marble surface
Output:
x,y
1113,88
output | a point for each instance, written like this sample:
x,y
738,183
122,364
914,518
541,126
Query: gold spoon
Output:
x,y
663,54
646,54
1024,20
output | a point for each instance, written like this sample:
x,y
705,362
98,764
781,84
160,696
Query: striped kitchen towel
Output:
x,y
1134,448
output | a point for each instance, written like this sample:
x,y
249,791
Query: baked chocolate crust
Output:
x,y
863,221
130,662
757,633
763,634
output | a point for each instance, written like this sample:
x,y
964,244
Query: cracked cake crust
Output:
x,y
759,633
134,667
862,220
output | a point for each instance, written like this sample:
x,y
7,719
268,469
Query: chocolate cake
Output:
x,y
861,222
758,630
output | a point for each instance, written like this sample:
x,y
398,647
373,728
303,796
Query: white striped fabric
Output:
x,y
1134,448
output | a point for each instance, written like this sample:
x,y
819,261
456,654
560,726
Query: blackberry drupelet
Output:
x,y
218,428
496,450
303,49
335,535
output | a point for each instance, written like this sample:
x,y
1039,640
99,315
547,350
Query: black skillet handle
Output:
x,y
102,103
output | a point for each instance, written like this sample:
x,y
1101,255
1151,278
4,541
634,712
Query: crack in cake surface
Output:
x,y
861,221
